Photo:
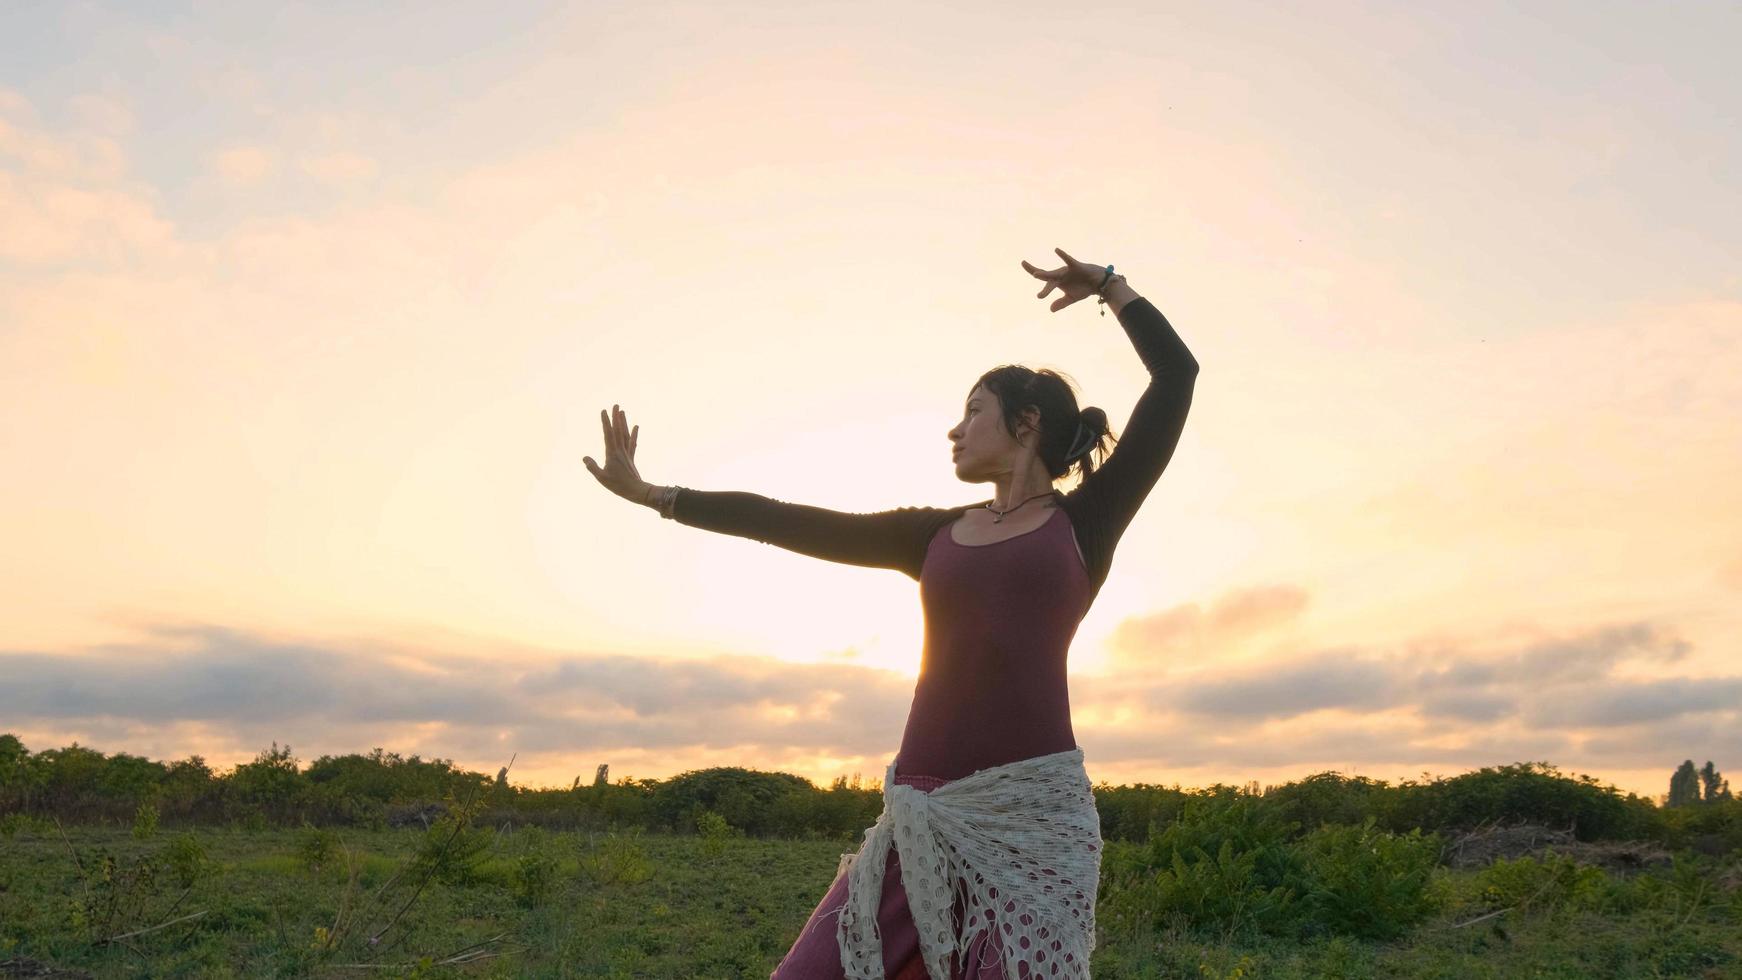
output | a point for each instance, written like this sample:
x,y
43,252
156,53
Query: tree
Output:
x,y
270,785
1715,787
1684,786
15,773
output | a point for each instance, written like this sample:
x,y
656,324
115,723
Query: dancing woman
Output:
x,y
986,858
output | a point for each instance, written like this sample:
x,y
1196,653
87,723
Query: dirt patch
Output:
x,y
1730,879
420,815
1484,845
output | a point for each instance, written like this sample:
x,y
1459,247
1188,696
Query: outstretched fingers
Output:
x,y
618,437
1051,278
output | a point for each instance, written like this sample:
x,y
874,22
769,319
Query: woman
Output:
x,y
986,857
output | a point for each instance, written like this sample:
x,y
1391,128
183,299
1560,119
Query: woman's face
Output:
x,y
981,446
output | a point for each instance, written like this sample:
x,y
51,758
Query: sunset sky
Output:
x,y
307,316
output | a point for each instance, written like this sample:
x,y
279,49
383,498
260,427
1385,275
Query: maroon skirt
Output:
x,y
816,954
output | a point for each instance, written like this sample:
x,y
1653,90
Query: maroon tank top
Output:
x,y
999,619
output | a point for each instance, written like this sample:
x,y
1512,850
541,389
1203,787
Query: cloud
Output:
x,y
1566,698
44,222
1639,701
1328,708
1334,680
1468,705
1548,683
1147,643
15,106
1730,576
1244,612
65,197
72,157
338,168
244,166
103,113
593,702
1663,744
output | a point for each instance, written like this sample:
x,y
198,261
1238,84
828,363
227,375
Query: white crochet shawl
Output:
x,y
1021,842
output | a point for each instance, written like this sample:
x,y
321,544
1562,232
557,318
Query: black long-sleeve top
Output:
x,y
1100,508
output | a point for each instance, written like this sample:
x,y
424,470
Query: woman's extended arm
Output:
x,y
887,539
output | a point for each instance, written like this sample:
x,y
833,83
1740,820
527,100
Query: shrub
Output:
x,y
186,859
744,797
534,869
1224,890
12,823
1232,862
716,833
1714,826
1680,892
1530,792
1365,882
1131,813
1538,883
1224,863
315,846
452,850
1327,797
617,859
145,821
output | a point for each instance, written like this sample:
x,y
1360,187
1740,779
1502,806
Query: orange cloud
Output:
x,y
244,166
1189,634
65,200
338,168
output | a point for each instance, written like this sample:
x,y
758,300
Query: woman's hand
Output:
x,y
618,475
1075,279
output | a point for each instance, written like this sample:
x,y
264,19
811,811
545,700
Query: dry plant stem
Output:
x,y
136,951
278,920
401,966
160,925
171,910
1693,906
344,900
84,882
469,954
1479,918
380,894
458,825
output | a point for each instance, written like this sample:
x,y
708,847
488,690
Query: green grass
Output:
x,y
667,906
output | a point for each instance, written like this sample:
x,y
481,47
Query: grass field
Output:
x,y
539,904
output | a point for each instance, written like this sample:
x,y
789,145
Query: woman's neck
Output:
x,y
1030,500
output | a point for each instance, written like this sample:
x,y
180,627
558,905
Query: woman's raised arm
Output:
x,y
1108,499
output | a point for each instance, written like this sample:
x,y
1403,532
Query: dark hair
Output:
x,y
1019,388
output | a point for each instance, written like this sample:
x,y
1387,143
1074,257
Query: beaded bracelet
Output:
x,y
1104,280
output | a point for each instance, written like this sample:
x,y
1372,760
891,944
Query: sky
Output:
x,y
307,315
